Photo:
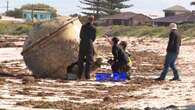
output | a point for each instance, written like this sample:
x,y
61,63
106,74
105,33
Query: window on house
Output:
x,y
25,16
41,16
35,16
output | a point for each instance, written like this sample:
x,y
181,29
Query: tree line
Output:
x,y
97,8
17,12
100,8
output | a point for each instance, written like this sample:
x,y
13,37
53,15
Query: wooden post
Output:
x,y
7,5
32,15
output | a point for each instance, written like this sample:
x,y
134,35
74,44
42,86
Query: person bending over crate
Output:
x,y
123,45
120,60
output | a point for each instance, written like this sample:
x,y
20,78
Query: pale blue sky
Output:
x,y
66,7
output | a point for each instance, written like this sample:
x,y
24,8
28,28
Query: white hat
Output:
x,y
173,26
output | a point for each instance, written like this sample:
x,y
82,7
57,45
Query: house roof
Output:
x,y
193,2
123,15
188,17
176,8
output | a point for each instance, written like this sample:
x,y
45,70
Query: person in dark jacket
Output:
x,y
86,49
126,68
120,57
172,53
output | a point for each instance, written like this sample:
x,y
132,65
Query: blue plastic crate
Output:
x,y
123,76
119,76
103,76
116,76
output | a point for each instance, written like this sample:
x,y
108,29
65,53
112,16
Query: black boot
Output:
x,y
87,76
128,76
159,79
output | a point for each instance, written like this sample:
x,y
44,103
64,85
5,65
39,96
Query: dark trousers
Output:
x,y
85,60
121,67
170,62
117,66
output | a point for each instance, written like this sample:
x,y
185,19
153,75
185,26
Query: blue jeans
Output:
x,y
170,62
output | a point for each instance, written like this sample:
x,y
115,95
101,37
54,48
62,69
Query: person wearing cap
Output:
x,y
86,48
172,53
120,57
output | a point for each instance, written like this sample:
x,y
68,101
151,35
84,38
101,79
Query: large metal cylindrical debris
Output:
x,y
52,46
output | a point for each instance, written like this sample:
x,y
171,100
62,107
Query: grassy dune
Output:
x,y
187,30
14,28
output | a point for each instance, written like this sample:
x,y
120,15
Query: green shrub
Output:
x,y
14,28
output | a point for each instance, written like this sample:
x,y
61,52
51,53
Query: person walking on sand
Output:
x,y
172,53
86,48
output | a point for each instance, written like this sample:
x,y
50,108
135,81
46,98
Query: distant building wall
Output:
x,y
173,13
138,19
169,13
37,15
161,23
